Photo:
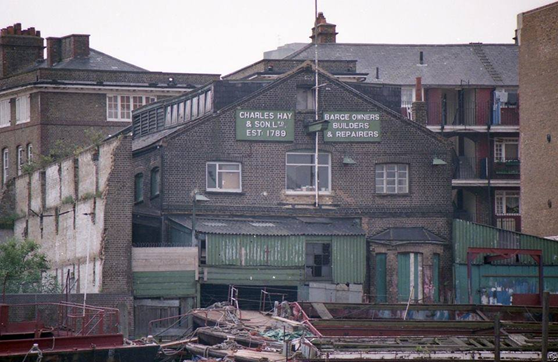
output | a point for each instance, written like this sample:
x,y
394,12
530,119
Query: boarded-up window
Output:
x,y
318,261
409,277
305,99
381,282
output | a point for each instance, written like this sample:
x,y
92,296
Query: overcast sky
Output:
x,y
220,36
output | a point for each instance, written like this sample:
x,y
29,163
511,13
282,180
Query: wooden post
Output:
x,y
497,337
544,350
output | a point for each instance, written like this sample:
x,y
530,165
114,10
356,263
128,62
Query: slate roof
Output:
x,y
406,235
146,141
95,61
444,65
273,227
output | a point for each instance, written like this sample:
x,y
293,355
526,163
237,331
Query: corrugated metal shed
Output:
x,y
349,259
467,234
277,227
251,250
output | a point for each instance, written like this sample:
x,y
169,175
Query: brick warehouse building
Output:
x,y
383,222
45,103
538,79
471,95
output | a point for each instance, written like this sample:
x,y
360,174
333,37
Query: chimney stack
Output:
x,y
420,114
19,49
68,47
323,32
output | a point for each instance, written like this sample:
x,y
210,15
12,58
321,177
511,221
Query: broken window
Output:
x,y
318,260
224,176
392,179
301,172
305,99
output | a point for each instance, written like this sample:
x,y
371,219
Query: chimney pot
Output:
x,y
17,28
10,30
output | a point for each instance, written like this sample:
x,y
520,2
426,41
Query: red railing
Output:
x,y
66,318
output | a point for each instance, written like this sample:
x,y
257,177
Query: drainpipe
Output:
x,y
316,163
489,190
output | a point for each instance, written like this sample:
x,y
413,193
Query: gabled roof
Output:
x,y
444,65
404,235
275,227
95,61
185,127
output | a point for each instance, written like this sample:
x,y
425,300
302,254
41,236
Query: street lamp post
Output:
x,y
195,199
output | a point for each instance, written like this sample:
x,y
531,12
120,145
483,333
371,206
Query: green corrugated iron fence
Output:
x,y
467,234
348,258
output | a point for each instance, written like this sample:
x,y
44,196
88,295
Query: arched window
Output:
x,y
29,153
155,181
20,152
138,187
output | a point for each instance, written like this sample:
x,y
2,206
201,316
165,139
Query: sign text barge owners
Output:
x,y
264,125
352,127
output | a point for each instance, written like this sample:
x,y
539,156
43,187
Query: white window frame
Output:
x,y
500,149
404,102
500,201
121,101
19,154
383,188
29,153
217,164
5,113
23,109
312,192
5,165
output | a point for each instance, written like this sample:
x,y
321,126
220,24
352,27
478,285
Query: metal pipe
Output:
x,y
316,96
544,347
194,220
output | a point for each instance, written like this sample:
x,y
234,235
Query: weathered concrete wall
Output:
x,y
164,259
65,214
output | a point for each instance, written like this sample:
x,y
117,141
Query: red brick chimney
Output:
x,y
68,47
323,32
19,49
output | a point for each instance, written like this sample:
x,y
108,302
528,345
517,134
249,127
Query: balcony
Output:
x,y
507,169
467,168
470,168
441,113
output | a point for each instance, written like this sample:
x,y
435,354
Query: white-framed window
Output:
x,y
20,153
29,153
392,179
506,149
301,172
507,202
407,97
5,165
120,107
23,109
5,113
224,176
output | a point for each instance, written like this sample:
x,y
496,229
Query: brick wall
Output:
x,y
538,86
428,203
